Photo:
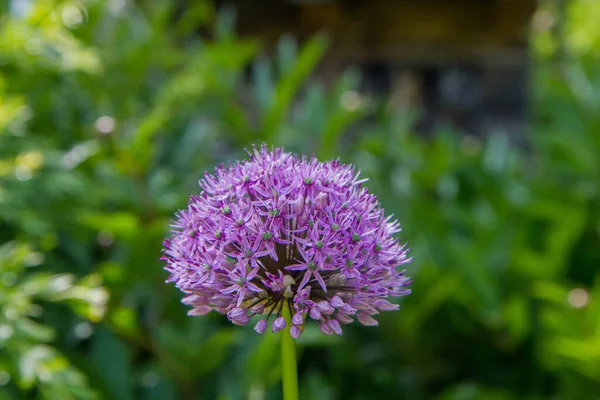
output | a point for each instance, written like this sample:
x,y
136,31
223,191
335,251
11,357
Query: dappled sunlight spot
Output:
x,y
105,124
25,112
105,238
351,100
68,161
79,153
150,379
542,21
34,259
20,8
256,392
578,298
73,15
31,159
9,278
23,173
27,163
4,378
447,187
83,330
34,46
97,299
6,332
117,6
10,313
470,145
60,283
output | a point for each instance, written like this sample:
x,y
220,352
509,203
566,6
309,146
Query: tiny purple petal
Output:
x,y
261,326
238,316
298,205
315,314
325,328
337,302
201,310
278,324
258,309
190,300
296,267
325,308
320,280
335,326
305,279
367,320
348,309
297,319
295,332
384,305
344,318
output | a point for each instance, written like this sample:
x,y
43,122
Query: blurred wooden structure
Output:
x,y
463,62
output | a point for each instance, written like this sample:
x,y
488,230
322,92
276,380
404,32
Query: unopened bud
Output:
x,y
321,201
298,205
278,324
261,326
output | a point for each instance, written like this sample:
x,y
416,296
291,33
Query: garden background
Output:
x,y
111,111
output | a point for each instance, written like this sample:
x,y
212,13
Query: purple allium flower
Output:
x,y
280,231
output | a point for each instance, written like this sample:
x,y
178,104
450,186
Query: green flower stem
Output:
x,y
289,371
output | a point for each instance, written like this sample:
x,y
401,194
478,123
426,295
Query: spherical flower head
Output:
x,y
281,231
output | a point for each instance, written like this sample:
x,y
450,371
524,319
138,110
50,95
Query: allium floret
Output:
x,y
281,231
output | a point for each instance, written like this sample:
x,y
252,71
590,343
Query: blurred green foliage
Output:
x,y
109,114
24,339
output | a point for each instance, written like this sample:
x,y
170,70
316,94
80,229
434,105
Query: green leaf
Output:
x,y
287,87
36,332
111,359
215,349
